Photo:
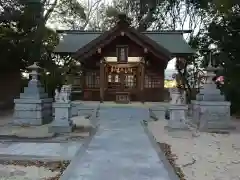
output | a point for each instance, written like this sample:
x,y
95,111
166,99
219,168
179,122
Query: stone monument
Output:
x,y
210,110
33,107
62,107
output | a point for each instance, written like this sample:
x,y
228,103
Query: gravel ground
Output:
x,y
32,170
207,156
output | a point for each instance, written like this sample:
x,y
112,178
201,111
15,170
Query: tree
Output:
x,y
24,38
74,14
220,36
20,30
225,35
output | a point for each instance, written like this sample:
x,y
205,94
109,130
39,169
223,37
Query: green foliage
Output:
x,y
225,34
52,80
22,39
111,12
71,8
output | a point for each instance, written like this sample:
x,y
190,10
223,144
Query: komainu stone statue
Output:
x,y
64,94
174,98
56,97
62,107
177,109
177,94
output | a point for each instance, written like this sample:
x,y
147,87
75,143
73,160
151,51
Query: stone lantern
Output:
x,y
33,107
210,110
209,92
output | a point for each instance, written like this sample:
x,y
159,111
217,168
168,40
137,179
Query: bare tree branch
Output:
x,y
50,10
89,13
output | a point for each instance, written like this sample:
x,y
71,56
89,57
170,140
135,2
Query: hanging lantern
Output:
x,y
145,50
99,50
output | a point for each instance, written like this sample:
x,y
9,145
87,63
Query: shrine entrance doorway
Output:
x,y
122,82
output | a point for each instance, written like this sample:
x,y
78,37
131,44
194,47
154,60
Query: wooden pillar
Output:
x,y
83,82
139,80
122,79
142,80
102,79
106,76
83,78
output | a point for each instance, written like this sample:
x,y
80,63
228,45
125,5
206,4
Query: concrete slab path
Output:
x,y
120,150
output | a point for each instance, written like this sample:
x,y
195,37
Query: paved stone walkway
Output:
x,y
120,150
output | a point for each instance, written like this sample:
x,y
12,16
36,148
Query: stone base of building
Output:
x,y
32,112
210,115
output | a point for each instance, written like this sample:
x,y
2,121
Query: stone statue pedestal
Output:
x,y
210,115
33,107
177,114
62,122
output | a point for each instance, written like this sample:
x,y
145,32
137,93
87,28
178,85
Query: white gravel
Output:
x,y
15,172
205,157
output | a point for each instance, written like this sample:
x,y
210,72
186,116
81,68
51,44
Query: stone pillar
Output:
x,y
62,122
210,110
33,107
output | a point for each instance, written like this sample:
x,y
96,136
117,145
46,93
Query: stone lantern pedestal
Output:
x,y
210,115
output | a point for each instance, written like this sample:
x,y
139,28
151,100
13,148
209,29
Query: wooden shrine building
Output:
x,y
122,64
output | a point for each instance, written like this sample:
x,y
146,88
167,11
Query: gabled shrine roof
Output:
x,y
73,40
163,45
